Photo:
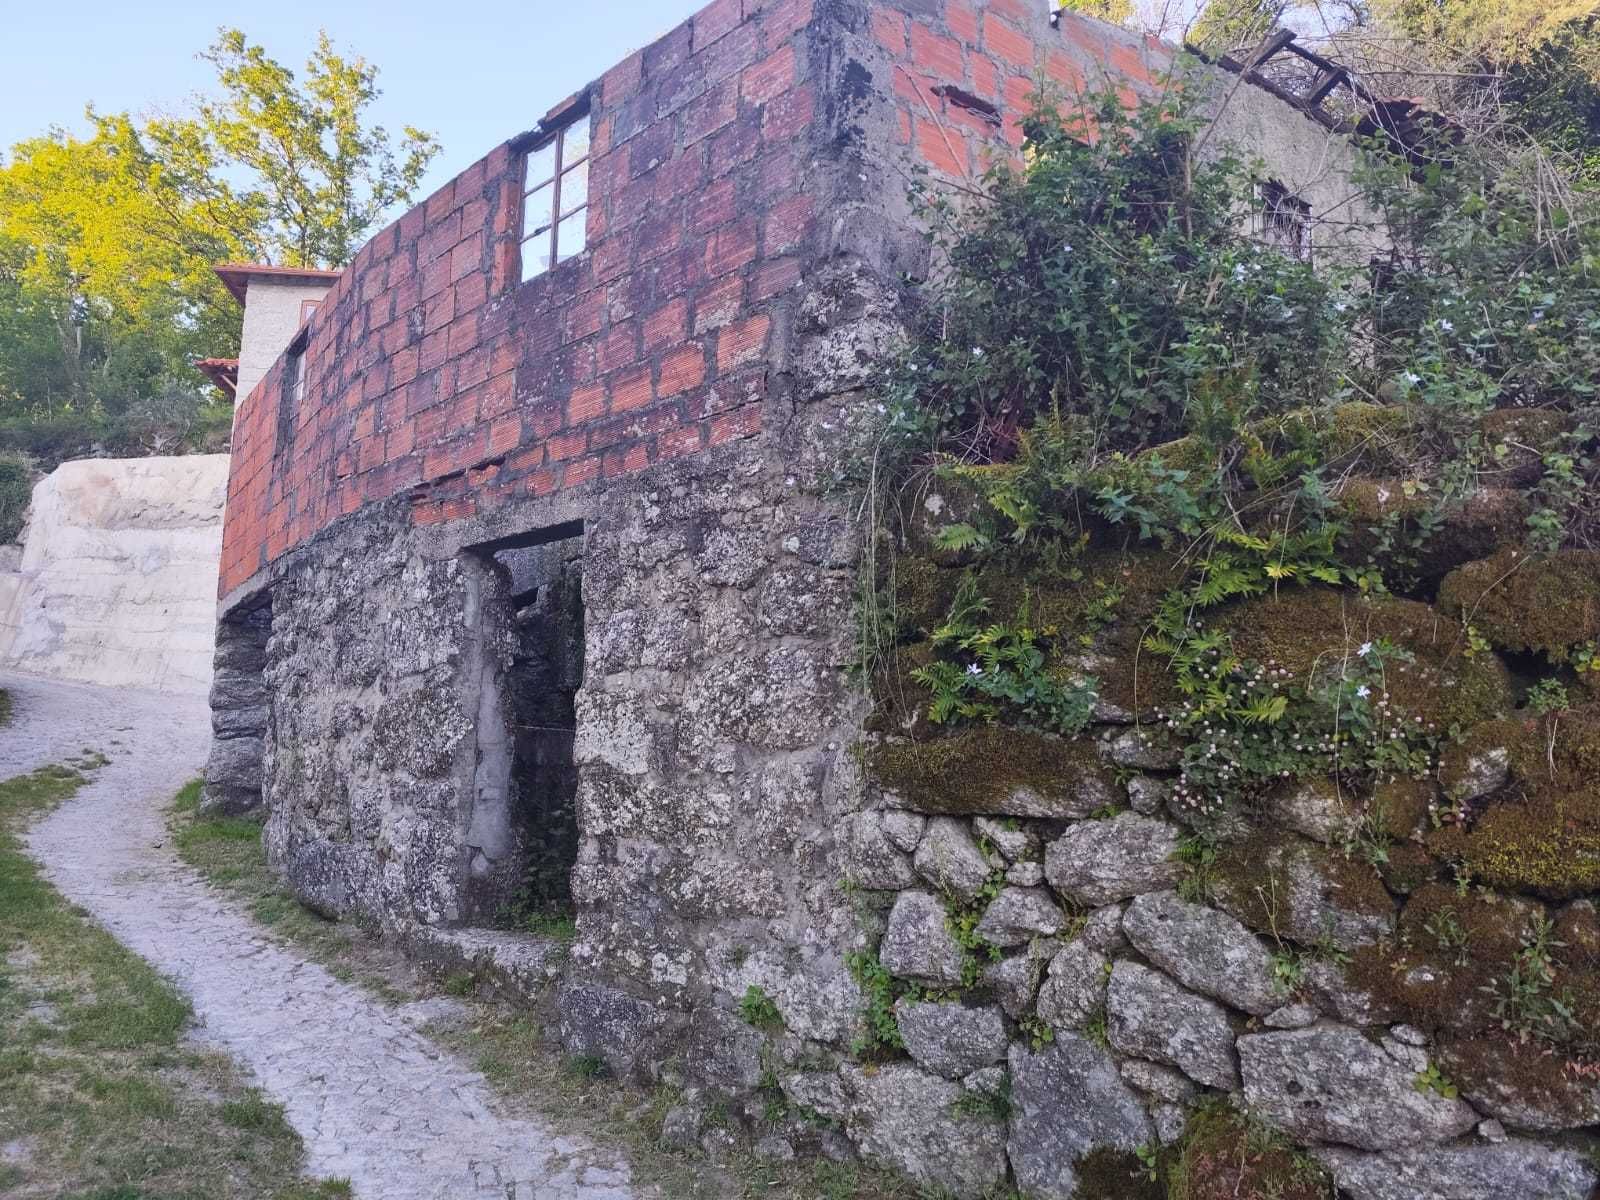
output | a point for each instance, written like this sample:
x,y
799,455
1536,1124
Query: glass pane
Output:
x,y
538,209
541,166
575,142
570,235
575,188
535,256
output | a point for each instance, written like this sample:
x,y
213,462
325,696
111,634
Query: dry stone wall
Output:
x,y
986,957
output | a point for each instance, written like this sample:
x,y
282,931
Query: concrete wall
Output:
x,y
118,573
271,319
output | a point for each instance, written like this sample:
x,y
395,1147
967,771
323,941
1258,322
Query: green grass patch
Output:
x,y
98,1088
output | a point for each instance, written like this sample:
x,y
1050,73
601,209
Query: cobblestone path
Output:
x,y
373,1098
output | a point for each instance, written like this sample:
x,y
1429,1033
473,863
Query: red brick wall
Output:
x,y
996,51
433,373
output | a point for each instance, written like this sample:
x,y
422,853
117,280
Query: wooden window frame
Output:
x,y
532,231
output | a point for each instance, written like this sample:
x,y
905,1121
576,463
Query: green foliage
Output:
x,y
1000,669
107,244
881,1032
758,1009
1431,1079
16,491
1525,1000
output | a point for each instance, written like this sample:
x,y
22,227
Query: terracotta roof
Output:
x,y
224,372
235,276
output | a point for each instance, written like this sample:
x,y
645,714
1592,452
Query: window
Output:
x,y
307,308
294,389
555,198
1285,221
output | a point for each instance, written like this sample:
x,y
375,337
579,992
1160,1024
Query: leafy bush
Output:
x,y
16,490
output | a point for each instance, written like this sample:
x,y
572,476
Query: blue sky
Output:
x,y
472,71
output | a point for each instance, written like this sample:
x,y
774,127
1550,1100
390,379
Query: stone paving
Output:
x,y
374,1100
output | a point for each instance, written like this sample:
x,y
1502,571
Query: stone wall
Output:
x,y
663,419
116,580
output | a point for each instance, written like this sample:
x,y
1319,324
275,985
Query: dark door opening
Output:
x,y
526,767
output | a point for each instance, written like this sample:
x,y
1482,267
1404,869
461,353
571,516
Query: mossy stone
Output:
x,y
1520,602
990,769
1223,1156
1313,631
1470,528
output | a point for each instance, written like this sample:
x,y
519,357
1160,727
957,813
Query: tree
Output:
x,y
1117,11
107,242
1230,25
323,176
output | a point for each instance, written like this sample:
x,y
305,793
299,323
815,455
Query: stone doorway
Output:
x,y
523,833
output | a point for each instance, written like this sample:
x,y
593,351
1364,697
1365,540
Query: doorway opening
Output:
x,y
523,836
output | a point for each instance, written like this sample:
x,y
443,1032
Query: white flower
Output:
x,y
977,352
1238,272
882,409
1366,649
1066,247
974,669
1445,326
1363,691
1412,378
1340,306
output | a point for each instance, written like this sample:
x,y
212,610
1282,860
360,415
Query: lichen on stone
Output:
x,y
994,769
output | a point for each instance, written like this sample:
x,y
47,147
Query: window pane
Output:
x,y
575,141
575,189
538,209
541,166
570,235
535,256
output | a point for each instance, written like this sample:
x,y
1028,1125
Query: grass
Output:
x,y
510,1046
101,1096
5,708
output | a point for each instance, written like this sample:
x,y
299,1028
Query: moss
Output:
x,y
1225,1156
1523,603
902,702
923,591
1578,930
1429,988
990,769
1401,805
1252,880
1541,834
1385,526
1108,1174
1410,866
1494,927
1314,630
1183,454
1518,438
1521,1072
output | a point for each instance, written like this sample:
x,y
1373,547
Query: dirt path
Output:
x,y
373,1099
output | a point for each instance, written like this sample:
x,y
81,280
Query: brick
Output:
x,y
736,145
586,403
715,21
440,239
403,367
718,304
464,332
618,348
782,19
741,422
1019,12
742,342
681,369
774,277
712,207
666,325
659,234
472,292
788,116
731,54
500,395
438,311
680,177
622,80
565,445
631,389
505,434
1127,60
1004,40
399,441
786,225
769,78
625,461
730,248
936,55
467,257
585,316
581,472
703,117
941,148
1061,70
678,442
963,22
888,29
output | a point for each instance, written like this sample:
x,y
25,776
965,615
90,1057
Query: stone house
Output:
x,y
534,581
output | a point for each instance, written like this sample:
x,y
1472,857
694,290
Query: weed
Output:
x,y
759,1009
1431,1079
